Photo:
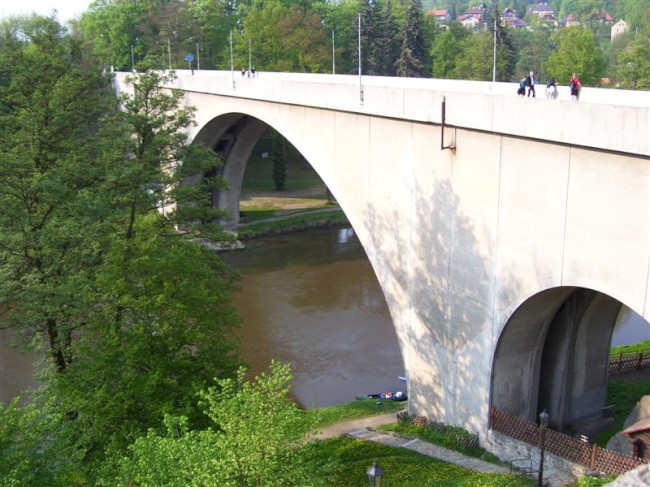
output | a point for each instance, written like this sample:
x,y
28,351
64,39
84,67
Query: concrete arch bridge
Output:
x,y
505,232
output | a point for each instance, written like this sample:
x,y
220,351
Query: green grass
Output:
x,y
635,348
303,221
255,214
595,481
449,441
350,459
361,408
624,395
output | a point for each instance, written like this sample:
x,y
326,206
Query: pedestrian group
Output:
x,y
528,82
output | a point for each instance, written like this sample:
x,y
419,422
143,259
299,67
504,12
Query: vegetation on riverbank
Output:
x,y
305,220
634,348
361,408
351,459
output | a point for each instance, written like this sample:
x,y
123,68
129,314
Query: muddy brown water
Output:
x,y
310,299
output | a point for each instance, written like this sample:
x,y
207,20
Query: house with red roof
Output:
x,y
441,15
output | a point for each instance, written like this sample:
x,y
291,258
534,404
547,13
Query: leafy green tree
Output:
x,y
634,65
160,158
30,454
576,52
53,114
112,28
533,48
342,18
290,39
413,60
215,20
476,59
135,319
163,329
257,439
446,50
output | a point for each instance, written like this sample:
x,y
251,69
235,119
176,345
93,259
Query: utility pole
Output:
x,y
360,84
333,55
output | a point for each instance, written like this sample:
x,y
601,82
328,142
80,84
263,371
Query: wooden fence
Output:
x,y
628,362
596,458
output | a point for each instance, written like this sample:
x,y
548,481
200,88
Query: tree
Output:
x,y
533,48
257,439
161,160
634,65
290,39
30,453
475,62
163,327
54,111
378,33
135,318
413,59
278,155
576,52
446,50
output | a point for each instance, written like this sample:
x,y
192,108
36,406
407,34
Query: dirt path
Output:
x,y
345,427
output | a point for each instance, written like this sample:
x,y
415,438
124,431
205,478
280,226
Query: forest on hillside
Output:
x,y
398,38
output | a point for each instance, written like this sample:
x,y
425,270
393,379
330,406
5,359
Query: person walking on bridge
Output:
x,y
530,83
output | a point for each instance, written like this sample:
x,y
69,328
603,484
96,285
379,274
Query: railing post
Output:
x,y
592,460
639,364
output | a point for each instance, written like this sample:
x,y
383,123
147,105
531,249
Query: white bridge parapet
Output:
x,y
607,119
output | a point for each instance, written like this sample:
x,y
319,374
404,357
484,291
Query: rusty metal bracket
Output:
x,y
451,146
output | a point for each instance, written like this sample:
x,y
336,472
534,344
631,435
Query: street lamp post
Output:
x,y
375,473
333,55
543,424
232,63
360,84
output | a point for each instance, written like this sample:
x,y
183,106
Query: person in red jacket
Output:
x,y
575,86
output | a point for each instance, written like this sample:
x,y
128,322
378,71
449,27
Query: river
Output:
x,y
311,299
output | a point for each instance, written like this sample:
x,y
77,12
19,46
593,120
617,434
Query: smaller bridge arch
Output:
x,y
553,354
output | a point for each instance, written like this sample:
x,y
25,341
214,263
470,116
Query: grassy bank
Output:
x,y
361,408
291,223
349,460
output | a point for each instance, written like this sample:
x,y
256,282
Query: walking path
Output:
x,y
364,429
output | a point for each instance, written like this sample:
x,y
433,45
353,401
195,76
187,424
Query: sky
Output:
x,y
67,9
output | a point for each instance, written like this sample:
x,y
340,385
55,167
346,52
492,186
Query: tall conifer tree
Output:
x,y
413,58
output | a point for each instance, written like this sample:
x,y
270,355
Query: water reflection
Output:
x,y
313,300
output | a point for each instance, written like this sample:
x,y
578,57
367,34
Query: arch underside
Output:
x,y
553,355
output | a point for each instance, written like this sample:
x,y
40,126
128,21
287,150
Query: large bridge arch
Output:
x,y
537,195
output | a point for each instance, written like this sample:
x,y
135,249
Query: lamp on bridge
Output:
x,y
375,474
543,424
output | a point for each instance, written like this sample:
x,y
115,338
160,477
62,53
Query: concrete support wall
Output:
x,y
460,240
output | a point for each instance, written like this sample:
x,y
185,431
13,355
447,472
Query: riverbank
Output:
x,y
281,212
